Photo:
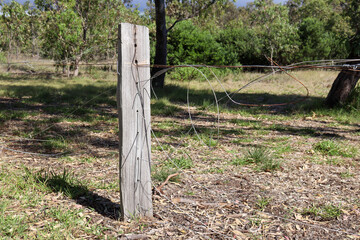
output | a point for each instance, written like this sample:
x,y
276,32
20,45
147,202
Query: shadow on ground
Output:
x,y
67,184
88,104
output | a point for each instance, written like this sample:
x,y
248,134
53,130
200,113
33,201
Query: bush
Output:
x,y
318,42
243,45
189,45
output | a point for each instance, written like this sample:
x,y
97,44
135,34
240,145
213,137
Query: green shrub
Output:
x,y
189,45
239,48
318,42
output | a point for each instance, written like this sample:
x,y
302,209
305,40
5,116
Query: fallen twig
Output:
x,y
158,189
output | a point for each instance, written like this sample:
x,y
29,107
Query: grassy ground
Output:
x,y
278,172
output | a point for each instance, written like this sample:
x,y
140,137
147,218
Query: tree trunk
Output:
x,y
9,56
161,43
64,68
76,66
346,81
342,87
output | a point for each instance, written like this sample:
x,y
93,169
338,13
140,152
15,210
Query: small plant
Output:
x,y
215,170
281,149
346,174
182,162
257,155
256,221
323,213
87,159
206,136
2,57
239,162
210,142
331,212
331,148
163,147
269,165
263,159
262,203
242,140
55,144
334,161
161,173
353,102
206,104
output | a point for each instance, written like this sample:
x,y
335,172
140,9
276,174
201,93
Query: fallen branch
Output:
x,y
158,189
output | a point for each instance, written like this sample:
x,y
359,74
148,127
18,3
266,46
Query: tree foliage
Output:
x,y
16,31
198,32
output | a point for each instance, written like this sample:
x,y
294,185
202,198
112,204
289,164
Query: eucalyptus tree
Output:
x,y
323,28
271,22
82,30
104,31
62,33
16,32
3,33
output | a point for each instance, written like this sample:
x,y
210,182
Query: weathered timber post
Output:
x,y
133,99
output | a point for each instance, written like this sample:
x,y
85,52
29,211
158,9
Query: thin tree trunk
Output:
x,y
342,87
9,56
161,43
76,66
64,68
272,62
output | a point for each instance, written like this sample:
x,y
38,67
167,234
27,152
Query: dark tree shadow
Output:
x,y
67,184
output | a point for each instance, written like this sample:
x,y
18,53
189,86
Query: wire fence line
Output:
x,y
224,195
326,64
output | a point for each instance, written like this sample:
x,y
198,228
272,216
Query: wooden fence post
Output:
x,y
133,98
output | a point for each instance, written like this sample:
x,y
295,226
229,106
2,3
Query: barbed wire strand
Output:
x,y
316,64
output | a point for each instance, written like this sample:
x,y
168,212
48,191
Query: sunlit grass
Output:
x,y
24,193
